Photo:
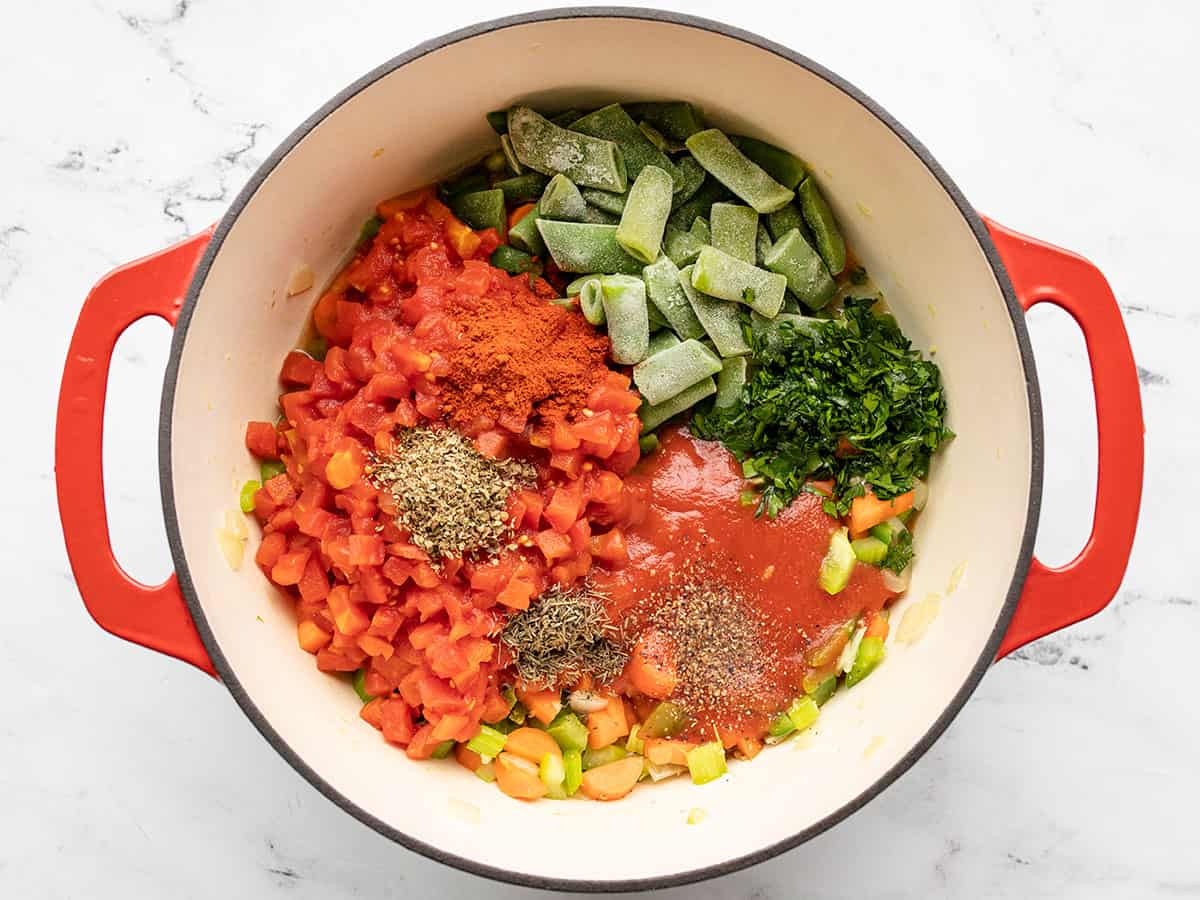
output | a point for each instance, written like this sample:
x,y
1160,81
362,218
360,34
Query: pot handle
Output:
x,y
155,617
1055,598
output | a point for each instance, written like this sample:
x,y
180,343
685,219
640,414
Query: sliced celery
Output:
x,y
246,497
824,690
707,762
869,550
518,713
488,742
634,743
360,686
553,773
442,750
838,564
486,772
870,654
270,468
667,720
803,712
568,731
572,771
603,756
887,531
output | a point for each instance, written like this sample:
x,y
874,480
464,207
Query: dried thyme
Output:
x,y
563,636
452,499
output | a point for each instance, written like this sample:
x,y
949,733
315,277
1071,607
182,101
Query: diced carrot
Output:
x,y
749,747
878,626
613,780
518,777
531,744
468,759
868,511
349,617
464,241
542,705
606,725
289,568
375,646
651,667
312,637
516,593
519,213
664,752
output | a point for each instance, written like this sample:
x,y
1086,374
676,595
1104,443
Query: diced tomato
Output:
x,y
372,713
366,550
269,551
613,397
568,461
565,506
311,636
289,568
610,548
606,487
516,593
554,546
262,440
579,535
386,622
314,584
349,617
396,721
299,368
492,444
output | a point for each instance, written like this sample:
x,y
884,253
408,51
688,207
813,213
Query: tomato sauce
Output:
x,y
690,490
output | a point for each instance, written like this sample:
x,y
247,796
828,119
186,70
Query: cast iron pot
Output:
x,y
957,282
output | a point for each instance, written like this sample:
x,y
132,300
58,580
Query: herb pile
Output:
x,y
846,398
562,637
452,499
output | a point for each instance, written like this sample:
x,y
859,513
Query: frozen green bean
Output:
x,y
576,286
660,341
731,167
653,135
721,319
734,230
525,235
721,275
654,317
612,123
584,247
591,301
605,200
666,295
645,215
547,148
653,416
464,184
522,188
762,243
730,382
514,261
785,168
710,192
627,317
510,155
701,230
670,371
676,119
692,176
827,237
681,246
481,209
566,117
562,200
498,119
784,220
802,267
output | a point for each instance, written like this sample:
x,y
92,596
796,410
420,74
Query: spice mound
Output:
x,y
562,637
719,640
451,498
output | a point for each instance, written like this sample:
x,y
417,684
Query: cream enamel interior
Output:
x,y
419,122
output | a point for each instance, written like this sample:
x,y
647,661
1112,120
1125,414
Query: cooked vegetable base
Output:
x,y
601,458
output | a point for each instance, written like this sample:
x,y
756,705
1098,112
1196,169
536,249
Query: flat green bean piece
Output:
x,y
702,230
566,117
692,175
670,371
762,243
827,237
790,305
785,168
653,416
648,443
659,341
730,382
514,261
784,220
547,148
653,135
481,209
721,275
495,162
525,235
654,317
562,200
676,119
612,123
710,192
645,215
596,216
464,184
681,246
666,295
591,301
732,168
605,200
506,146
627,317
498,119
720,318
583,247
522,188
734,230
576,287
802,267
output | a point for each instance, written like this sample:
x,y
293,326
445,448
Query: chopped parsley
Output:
x,y
900,552
846,398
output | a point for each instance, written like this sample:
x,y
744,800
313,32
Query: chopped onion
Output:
x,y
920,494
301,280
897,584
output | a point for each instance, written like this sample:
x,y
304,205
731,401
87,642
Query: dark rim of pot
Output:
x,y
230,678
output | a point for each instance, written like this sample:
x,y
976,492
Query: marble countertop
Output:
x,y
132,123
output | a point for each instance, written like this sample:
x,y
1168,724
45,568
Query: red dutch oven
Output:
x,y
956,281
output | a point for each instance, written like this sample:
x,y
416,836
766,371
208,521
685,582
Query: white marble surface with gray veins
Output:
x,y
128,124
